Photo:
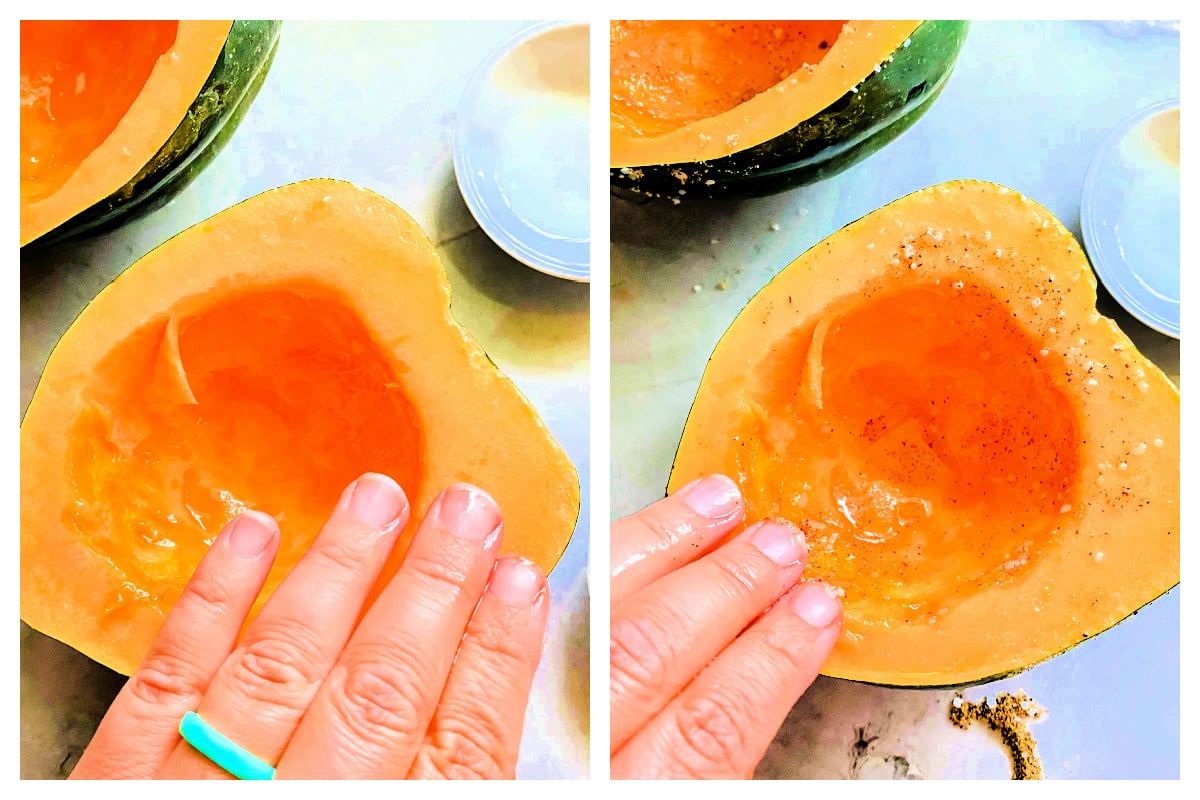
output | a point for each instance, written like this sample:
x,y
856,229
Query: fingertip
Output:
x,y
376,500
252,533
518,582
817,603
714,496
781,541
468,512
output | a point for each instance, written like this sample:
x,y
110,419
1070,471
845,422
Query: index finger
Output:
x,y
671,533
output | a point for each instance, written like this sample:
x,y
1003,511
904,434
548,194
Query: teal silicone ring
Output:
x,y
220,750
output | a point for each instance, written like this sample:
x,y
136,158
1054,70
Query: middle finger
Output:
x,y
262,690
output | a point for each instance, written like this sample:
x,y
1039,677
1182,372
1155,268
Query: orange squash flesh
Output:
x,y
684,91
985,465
316,345
90,120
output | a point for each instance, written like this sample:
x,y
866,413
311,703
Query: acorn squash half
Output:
x,y
117,116
261,359
713,108
984,464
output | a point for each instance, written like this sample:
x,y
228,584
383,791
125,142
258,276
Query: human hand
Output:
x,y
695,693
433,683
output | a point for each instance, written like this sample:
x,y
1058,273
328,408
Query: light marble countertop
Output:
x,y
372,103
1028,106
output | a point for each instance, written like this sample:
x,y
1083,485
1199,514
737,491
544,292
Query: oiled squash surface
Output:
x,y
983,463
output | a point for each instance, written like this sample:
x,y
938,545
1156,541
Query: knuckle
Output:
x,y
205,593
636,657
276,670
381,700
734,575
442,573
466,751
713,740
501,646
337,558
163,679
659,530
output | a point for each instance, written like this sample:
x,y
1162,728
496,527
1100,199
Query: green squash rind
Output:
x,y
210,121
880,108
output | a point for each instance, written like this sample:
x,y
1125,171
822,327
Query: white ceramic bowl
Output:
x,y
521,148
1129,215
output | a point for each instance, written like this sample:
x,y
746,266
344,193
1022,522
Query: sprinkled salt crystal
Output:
x,y
1158,442
1035,302
696,287
709,182
1066,509
854,90
870,245
907,42
1053,329
731,140
1143,387
1093,382
1139,449
1098,557
958,284
774,226
1043,352
1122,465
999,252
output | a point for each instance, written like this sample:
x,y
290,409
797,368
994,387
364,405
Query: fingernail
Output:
x,y
817,603
516,581
468,512
377,500
252,533
712,496
780,541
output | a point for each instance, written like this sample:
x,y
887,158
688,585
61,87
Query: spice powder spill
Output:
x,y
1007,716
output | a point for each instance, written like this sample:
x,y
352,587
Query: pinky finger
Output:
x,y
476,731
141,727
722,723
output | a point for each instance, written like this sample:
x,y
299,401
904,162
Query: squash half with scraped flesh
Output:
x,y
984,464
117,116
707,108
262,359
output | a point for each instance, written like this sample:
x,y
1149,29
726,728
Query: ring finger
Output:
x,y
262,689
